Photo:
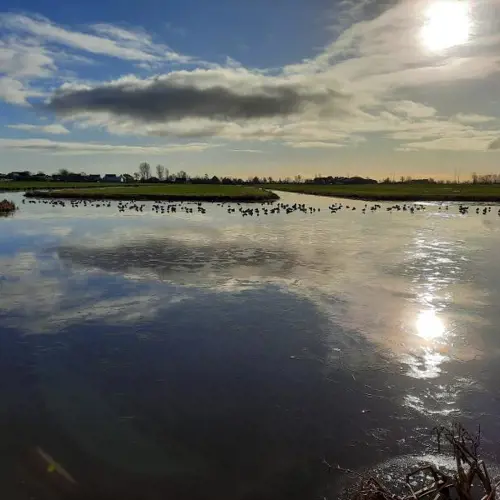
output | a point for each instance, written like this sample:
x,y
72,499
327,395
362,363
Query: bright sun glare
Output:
x,y
429,326
447,24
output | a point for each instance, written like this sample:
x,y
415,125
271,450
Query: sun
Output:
x,y
447,24
429,326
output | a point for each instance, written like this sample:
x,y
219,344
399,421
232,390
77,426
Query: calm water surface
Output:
x,y
201,356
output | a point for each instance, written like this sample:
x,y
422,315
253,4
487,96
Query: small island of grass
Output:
x,y
168,192
399,191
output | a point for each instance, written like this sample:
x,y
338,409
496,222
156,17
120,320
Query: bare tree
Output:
x,y
145,171
160,172
166,174
182,175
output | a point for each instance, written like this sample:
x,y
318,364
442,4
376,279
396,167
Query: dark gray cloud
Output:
x,y
163,101
169,257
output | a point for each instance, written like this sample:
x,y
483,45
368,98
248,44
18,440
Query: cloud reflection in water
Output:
x,y
316,319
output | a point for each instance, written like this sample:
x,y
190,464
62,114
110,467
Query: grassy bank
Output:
x,y
170,192
399,192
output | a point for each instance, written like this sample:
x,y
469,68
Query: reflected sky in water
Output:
x,y
195,356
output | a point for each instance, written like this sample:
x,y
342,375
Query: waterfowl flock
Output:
x,y
254,209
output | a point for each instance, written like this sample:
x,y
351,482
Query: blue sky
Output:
x,y
241,88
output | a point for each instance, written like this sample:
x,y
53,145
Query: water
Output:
x,y
200,356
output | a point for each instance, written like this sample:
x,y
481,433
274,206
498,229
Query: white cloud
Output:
x,y
368,78
32,49
55,128
25,58
315,145
452,144
412,109
109,30
473,118
22,60
363,70
13,91
79,148
247,150
116,42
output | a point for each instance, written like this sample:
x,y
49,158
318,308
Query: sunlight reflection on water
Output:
x,y
429,325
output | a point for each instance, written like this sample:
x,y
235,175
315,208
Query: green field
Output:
x,y
211,192
173,192
399,192
30,185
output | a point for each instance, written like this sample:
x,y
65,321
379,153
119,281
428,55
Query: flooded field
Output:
x,y
215,352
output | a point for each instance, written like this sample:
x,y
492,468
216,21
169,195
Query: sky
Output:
x,y
237,87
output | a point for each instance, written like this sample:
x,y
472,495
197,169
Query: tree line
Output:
x,y
147,174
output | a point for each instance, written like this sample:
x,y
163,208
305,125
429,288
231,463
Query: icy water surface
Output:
x,y
213,356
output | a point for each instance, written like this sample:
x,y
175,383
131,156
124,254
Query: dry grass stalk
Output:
x,y
7,207
471,481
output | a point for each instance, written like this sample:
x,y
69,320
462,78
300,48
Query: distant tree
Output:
x,y
127,178
474,178
145,171
166,174
137,176
181,175
63,172
298,179
160,172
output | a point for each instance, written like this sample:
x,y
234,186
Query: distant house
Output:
x,y
94,177
112,178
40,177
19,176
127,178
